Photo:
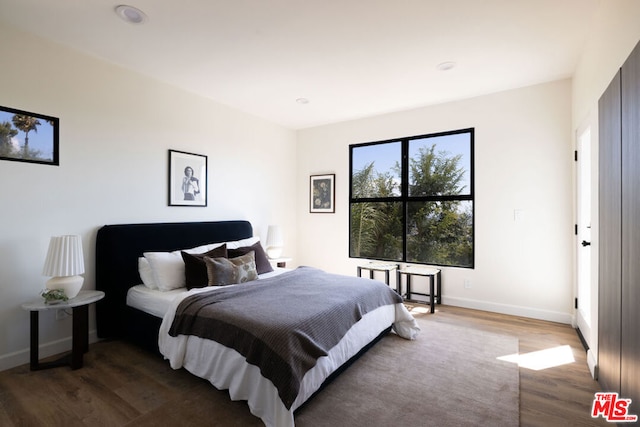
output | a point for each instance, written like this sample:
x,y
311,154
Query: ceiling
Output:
x,y
348,58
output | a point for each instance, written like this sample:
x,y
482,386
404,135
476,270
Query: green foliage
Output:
x,y
435,174
6,133
440,233
376,227
54,295
25,123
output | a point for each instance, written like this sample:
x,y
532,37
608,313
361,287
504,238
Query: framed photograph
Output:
x,y
322,194
29,137
187,179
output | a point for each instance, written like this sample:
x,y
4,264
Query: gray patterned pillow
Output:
x,y
223,271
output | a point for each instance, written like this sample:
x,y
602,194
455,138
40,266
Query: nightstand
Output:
x,y
387,267
279,262
80,337
435,283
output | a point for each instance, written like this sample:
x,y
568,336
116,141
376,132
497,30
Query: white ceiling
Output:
x,y
349,58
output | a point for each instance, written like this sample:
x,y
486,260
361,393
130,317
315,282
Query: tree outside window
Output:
x,y
412,199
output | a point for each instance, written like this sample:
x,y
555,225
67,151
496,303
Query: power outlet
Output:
x,y
61,314
467,283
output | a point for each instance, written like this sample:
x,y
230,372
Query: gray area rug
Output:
x,y
448,376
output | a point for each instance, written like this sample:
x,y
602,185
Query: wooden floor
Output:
x,y
121,385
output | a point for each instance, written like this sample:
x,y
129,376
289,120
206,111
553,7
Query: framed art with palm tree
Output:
x,y
29,137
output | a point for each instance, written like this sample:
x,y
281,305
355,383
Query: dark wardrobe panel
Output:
x,y
619,237
609,255
630,320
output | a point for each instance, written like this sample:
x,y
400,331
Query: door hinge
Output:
x,y
575,155
575,229
575,304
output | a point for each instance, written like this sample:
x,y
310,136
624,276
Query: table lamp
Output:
x,y
274,241
64,264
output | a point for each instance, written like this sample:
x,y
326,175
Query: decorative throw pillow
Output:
x,y
262,261
195,269
229,271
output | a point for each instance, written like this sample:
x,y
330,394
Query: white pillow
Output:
x,y
199,249
167,268
242,243
144,268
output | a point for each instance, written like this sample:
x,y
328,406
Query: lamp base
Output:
x,y
71,285
274,251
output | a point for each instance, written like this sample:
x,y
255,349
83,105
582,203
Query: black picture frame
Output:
x,y
185,190
29,137
322,193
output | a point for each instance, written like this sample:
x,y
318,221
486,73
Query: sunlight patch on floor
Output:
x,y
417,309
543,359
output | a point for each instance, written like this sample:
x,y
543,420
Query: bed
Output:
x,y
151,319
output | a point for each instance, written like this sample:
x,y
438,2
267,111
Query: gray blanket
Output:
x,y
283,324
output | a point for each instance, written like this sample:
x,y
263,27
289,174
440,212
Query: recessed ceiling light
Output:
x,y
130,14
446,66
302,101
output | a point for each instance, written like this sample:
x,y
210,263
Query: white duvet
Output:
x,y
226,369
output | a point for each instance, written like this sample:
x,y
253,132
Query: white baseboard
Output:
x,y
22,357
592,362
513,310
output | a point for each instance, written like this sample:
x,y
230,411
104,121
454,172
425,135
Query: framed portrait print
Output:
x,y
322,194
29,137
187,179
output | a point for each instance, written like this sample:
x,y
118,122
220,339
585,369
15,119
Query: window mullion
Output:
x,y
404,194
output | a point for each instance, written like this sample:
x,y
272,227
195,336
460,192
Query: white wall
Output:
x,y
613,35
115,131
523,160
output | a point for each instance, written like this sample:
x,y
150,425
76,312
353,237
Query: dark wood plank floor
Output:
x,y
121,385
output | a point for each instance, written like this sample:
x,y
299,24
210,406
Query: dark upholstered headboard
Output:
x,y
119,246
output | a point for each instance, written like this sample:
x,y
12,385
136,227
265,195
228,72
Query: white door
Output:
x,y
583,236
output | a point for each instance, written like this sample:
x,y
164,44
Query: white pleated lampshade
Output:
x,y
65,263
274,241
64,257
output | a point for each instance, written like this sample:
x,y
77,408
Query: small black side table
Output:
x,y
387,267
435,289
80,338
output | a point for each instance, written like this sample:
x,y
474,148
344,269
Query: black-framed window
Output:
x,y
412,199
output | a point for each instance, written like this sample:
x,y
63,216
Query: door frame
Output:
x,y
589,330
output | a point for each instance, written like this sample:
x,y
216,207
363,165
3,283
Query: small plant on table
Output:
x,y
54,296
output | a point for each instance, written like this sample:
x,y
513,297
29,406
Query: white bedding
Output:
x,y
226,369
